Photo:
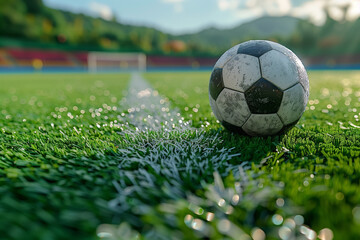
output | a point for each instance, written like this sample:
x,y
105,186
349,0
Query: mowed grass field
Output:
x,y
70,161
317,163
55,131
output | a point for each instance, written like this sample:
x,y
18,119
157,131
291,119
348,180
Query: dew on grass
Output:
x,y
229,210
105,235
285,233
290,223
210,216
325,92
196,209
356,214
106,92
353,125
326,234
197,224
345,81
308,232
280,202
277,219
221,202
151,161
224,225
235,199
339,196
188,220
258,234
144,93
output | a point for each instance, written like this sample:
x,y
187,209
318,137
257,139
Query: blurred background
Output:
x,y
67,35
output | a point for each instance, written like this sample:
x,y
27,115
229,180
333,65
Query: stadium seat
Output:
x,y
25,57
81,58
3,61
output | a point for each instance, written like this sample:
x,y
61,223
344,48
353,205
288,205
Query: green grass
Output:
x,y
55,131
69,162
317,162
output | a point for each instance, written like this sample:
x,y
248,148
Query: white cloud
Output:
x,y
312,9
102,10
354,11
275,7
254,8
315,10
178,4
228,4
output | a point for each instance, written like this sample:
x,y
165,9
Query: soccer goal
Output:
x,y
100,61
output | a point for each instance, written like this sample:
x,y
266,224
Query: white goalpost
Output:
x,y
101,61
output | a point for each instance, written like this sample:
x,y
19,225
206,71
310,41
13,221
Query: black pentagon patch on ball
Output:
x,y
216,84
233,128
263,97
254,48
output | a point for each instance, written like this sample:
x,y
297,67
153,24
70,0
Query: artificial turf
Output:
x,y
70,161
317,163
55,131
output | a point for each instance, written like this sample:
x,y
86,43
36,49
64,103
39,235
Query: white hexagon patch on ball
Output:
x,y
258,88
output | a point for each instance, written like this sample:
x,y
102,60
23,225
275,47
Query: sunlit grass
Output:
x,y
55,132
317,162
70,163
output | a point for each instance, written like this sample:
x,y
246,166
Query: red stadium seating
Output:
x,y
81,58
3,60
206,62
25,57
51,58
167,61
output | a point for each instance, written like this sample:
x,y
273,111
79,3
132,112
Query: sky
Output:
x,y
186,16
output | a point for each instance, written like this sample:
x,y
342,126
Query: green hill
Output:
x,y
264,27
30,23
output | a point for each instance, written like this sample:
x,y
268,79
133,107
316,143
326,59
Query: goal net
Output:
x,y
100,61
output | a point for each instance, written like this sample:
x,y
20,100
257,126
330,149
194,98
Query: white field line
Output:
x,y
148,110
164,142
162,152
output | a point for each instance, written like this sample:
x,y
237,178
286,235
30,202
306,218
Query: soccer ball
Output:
x,y
258,88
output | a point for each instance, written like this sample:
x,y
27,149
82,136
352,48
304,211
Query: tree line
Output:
x,y
31,20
